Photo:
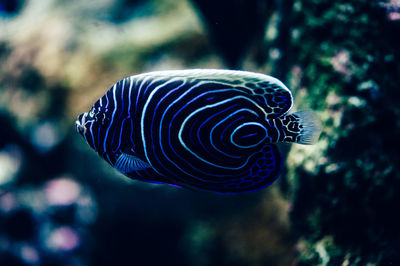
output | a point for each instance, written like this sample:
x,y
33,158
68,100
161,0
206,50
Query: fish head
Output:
x,y
93,126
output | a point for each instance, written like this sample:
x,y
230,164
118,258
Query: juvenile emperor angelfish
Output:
x,y
210,129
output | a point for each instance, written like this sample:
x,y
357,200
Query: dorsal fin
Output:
x,y
127,163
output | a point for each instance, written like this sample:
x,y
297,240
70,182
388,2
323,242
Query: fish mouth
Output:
x,y
80,124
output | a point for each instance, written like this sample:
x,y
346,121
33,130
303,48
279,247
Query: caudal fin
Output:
x,y
310,127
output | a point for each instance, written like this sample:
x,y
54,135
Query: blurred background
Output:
x,y
336,202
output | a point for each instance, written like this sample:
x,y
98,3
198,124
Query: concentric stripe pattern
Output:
x,y
207,129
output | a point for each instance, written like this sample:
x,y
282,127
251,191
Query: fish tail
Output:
x,y
309,127
301,127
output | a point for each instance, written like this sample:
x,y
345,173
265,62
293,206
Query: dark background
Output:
x,y
336,202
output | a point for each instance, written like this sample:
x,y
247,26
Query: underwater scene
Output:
x,y
196,132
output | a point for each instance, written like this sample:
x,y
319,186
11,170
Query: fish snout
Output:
x,y
80,124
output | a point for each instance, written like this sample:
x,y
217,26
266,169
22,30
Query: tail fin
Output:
x,y
310,127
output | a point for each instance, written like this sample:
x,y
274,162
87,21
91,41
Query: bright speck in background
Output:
x,y
10,163
29,254
62,191
64,239
45,136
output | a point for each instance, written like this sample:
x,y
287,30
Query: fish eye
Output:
x,y
91,113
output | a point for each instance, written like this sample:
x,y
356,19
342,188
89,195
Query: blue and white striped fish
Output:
x,y
207,129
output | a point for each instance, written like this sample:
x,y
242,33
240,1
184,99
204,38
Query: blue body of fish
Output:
x,y
207,129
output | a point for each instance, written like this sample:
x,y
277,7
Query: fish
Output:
x,y
204,129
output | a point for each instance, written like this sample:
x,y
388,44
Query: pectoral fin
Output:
x,y
127,163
